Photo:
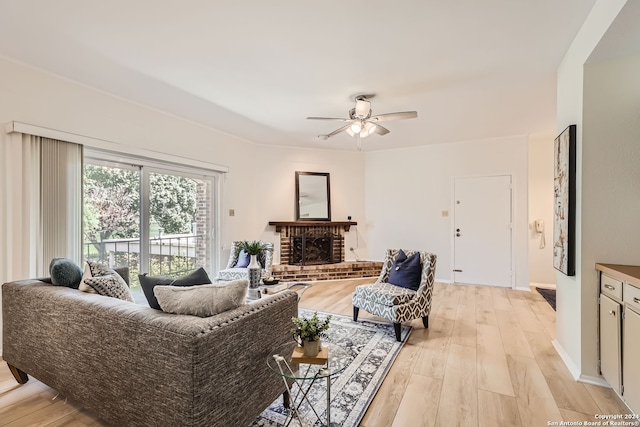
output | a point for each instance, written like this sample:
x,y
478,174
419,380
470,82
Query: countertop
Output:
x,y
626,273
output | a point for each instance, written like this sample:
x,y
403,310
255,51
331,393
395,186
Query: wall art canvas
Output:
x,y
564,197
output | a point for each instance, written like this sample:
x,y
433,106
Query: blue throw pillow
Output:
x,y
243,260
406,271
65,272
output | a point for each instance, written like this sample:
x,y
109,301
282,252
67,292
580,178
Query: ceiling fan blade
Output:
x,y
381,130
335,132
394,116
327,118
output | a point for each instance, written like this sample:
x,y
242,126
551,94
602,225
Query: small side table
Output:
x,y
280,363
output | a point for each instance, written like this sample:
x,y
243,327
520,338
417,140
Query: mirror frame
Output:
x,y
298,192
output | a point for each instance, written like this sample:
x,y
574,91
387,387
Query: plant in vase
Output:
x,y
253,249
308,331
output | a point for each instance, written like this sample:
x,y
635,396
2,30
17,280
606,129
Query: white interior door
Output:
x,y
482,230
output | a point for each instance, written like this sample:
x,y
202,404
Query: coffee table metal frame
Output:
x,y
311,374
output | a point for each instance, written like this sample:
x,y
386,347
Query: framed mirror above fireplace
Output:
x,y
313,197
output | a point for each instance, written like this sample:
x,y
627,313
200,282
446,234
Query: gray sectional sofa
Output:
x,y
135,366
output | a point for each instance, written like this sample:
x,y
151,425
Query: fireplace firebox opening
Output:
x,y
315,248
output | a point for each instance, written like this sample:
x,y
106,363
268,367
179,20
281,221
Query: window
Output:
x,y
154,218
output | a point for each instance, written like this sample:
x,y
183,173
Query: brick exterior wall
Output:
x,y
203,222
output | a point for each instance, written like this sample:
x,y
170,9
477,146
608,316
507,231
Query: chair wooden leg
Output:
x,y
398,328
20,376
425,322
356,310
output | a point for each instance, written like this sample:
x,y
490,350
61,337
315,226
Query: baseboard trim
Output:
x,y
543,285
588,379
448,282
573,368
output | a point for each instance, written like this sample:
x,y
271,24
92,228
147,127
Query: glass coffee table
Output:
x,y
304,375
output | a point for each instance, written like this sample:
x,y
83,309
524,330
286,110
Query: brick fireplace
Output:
x,y
314,250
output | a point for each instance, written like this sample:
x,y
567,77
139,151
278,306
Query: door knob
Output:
x,y
611,312
457,234
457,229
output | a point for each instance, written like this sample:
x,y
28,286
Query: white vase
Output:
x,y
311,348
255,272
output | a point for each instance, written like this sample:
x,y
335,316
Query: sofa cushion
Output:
x,y
65,272
148,283
385,293
111,285
202,300
406,271
197,277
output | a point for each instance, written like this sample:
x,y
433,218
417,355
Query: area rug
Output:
x,y
373,347
549,295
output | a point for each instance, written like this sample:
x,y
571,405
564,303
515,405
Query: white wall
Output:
x,y
610,181
407,190
267,192
541,269
260,181
575,315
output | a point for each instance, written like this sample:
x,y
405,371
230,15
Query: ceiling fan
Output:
x,y
361,123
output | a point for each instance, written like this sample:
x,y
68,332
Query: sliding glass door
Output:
x,y
179,224
111,215
152,219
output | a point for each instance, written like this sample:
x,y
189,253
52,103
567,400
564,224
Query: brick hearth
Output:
x,y
341,270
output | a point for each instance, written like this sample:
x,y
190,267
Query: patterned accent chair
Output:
x,y
233,273
396,303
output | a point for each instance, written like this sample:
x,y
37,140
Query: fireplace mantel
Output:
x,y
343,224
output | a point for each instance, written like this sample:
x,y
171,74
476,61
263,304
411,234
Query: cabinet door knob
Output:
x,y
610,287
611,312
636,300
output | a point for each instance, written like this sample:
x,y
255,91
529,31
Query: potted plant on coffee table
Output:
x,y
308,331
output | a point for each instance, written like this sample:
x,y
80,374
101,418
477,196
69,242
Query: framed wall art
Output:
x,y
564,202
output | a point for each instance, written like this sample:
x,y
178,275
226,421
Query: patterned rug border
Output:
x,y
354,419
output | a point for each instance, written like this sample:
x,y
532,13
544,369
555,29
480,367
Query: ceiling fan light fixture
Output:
x,y
363,108
360,122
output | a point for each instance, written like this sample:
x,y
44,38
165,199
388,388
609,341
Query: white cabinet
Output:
x,y
610,344
631,353
619,330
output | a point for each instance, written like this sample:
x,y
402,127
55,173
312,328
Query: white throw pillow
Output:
x,y
202,300
87,275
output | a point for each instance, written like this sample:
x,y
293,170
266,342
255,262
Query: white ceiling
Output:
x,y
256,69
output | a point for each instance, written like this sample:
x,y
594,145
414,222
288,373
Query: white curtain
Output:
x,y
19,206
41,204
60,202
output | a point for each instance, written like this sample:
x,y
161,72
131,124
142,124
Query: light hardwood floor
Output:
x,y
486,360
